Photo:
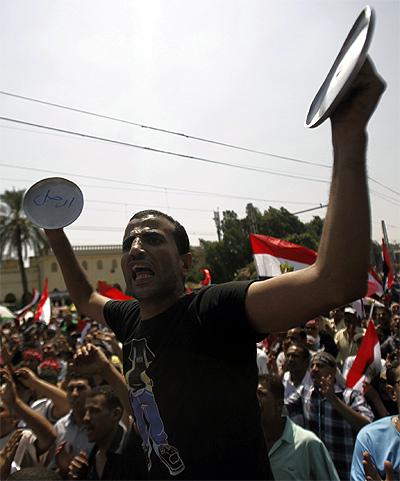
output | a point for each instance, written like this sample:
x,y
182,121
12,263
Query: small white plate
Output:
x,y
53,203
344,70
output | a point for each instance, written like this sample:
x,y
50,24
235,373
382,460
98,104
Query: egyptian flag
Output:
x,y
386,267
32,303
43,311
367,363
274,256
207,278
112,292
374,284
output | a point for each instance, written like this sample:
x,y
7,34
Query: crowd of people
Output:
x,y
65,407
166,386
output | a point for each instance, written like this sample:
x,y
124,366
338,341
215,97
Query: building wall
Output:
x,y
101,263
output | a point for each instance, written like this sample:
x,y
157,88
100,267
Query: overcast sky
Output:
x,y
238,72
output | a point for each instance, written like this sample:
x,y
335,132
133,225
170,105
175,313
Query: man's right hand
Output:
x,y
353,113
372,474
90,359
78,468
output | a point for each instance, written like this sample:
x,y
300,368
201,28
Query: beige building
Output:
x,y
101,263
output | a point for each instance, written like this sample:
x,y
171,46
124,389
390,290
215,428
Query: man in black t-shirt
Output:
x,y
190,360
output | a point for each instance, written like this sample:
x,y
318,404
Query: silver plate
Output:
x,y
53,203
344,70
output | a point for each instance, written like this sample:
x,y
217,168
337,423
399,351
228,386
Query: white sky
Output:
x,y
241,72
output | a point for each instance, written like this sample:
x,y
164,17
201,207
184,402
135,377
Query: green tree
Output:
x,y
232,257
18,234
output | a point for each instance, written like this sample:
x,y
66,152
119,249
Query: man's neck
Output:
x,y
150,307
297,376
273,431
104,444
77,416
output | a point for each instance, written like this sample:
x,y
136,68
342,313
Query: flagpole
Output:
x,y
386,239
371,311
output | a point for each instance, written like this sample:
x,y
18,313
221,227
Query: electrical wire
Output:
x,y
167,152
181,134
173,190
166,131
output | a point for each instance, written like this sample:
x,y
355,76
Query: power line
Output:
x,y
173,190
187,136
166,131
309,210
160,151
180,134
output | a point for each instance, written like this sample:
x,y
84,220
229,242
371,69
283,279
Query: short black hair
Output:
x,y
112,400
75,375
180,234
391,372
273,384
303,348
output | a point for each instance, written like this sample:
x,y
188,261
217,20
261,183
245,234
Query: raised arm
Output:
x,y
44,389
85,298
340,273
43,430
91,360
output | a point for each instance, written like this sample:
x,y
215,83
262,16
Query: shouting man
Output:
x,y
189,359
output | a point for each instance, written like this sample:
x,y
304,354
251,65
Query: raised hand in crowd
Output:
x,y
79,466
8,350
372,474
326,385
63,457
44,389
41,427
112,340
8,452
91,360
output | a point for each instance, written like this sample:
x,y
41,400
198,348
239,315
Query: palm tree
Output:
x,y
18,234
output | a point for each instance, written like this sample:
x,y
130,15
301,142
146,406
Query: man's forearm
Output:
x,y
57,395
41,427
117,381
86,299
343,255
75,279
355,419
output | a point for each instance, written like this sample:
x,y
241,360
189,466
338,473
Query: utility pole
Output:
x,y
217,221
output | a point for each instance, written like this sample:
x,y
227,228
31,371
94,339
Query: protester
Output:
x,y
47,399
336,320
297,378
112,456
72,436
33,442
377,447
318,339
196,353
335,415
294,453
392,342
297,335
345,337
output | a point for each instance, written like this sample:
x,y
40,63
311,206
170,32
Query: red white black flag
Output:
x,y
32,303
274,256
43,311
367,363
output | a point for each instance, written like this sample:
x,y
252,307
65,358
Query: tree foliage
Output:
x,y
232,257
18,234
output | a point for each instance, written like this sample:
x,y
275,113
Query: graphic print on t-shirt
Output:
x,y
144,405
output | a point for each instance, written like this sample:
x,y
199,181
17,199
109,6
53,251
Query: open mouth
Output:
x,y
142,273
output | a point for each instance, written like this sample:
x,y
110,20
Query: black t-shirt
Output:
x,y
192,377
125,460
